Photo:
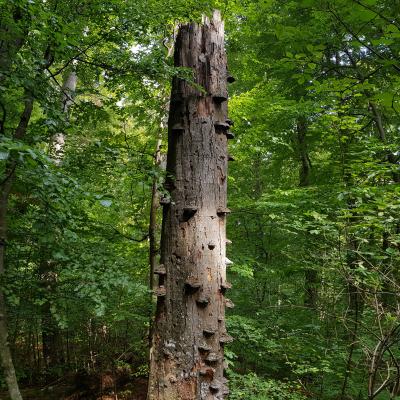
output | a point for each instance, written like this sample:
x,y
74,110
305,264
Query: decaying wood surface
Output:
x,y
187,357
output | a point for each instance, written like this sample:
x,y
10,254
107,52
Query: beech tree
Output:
x,y
189,330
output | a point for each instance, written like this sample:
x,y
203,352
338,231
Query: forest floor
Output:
x,y
62,390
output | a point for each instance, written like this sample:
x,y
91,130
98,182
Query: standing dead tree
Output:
x,y
187,356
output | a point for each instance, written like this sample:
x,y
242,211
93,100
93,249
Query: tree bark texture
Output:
x,y
5,352
7,183
57,143
5,190
155,199
53,354
12,36
189,329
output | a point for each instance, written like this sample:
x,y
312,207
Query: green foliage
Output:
x,y
252,387
314,190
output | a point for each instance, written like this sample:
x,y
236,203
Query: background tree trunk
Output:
x,y
7,183
310,275
53,353
57,143
5,352
189,330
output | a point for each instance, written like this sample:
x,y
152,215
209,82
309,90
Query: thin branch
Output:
x,y
142,239
393,22
9,175
370,48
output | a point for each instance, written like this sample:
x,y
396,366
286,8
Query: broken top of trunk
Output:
x,y
191,313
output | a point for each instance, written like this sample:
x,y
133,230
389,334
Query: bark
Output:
x,y
12,37
153,231
388,300
355,303
392,159
6,187
305,168
377,118
189,329
155,198
57,143
53,354
5,352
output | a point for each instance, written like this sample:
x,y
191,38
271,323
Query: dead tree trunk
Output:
x,y
189,330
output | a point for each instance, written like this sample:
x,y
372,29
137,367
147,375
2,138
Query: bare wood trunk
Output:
x,y
189,330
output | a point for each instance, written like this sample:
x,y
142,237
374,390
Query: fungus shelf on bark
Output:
x,y
225,338
227,241
165,201
222,211
202,301
230,158
223,126
228,262
229,122
230,135
225,286
188,212
160,270
208,332
204,347
215,386
219,98
160,291
192,284
212,358
225,390
207,371
230,79
178,128
229,303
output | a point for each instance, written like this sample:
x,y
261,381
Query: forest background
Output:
x,y
314,191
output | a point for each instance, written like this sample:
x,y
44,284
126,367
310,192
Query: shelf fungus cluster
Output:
x,y
189,333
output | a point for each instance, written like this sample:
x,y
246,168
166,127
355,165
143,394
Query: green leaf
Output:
x,y
365,15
